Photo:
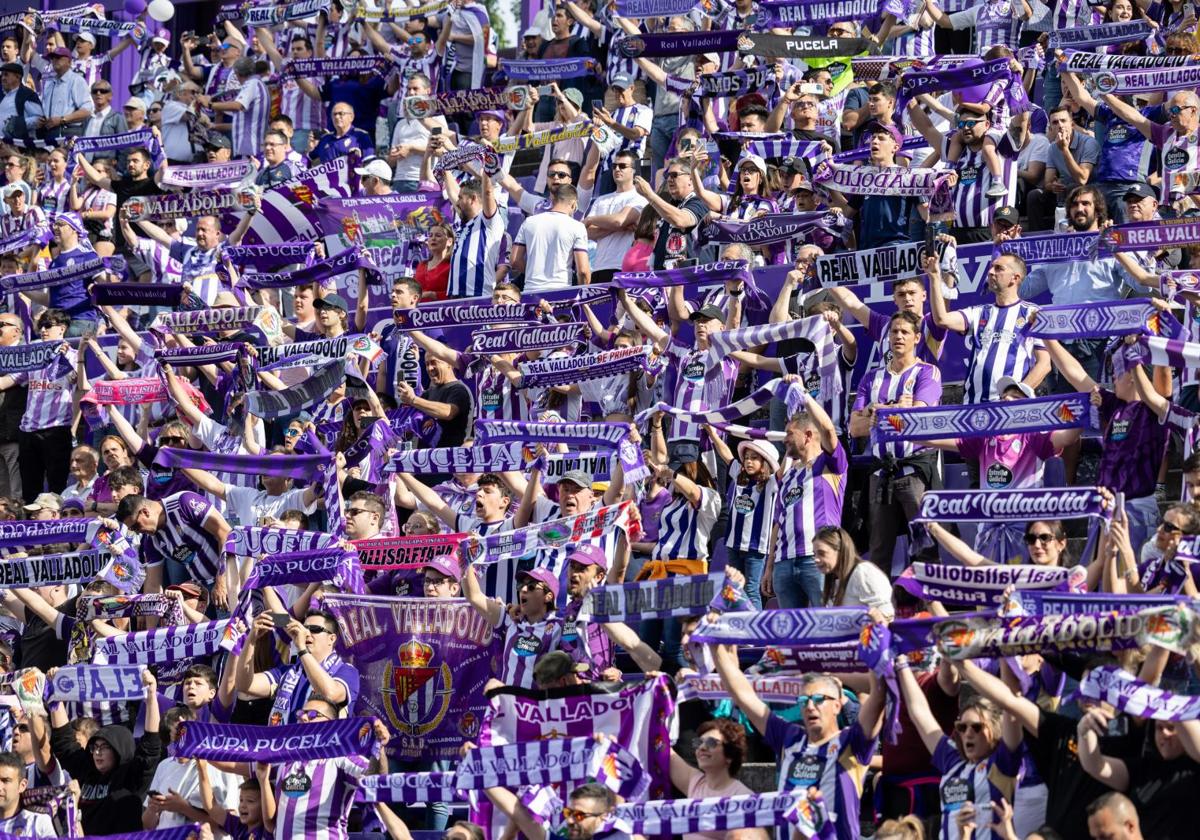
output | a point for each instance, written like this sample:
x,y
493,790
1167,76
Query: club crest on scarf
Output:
x,y
416,695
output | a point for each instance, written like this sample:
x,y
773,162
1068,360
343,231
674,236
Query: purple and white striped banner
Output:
x,y
544,373
271,405
409,788
469,152
983,586
1105,319
554,761
555,533
1132,696
679,595
110,683
614,436
168,644
1011,505
939,79
1100,34
289,210
526,339
792,395
784,628
353,736
676,817
206,175
1073,411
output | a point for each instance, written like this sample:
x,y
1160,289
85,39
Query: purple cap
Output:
x,y
163,34
57,52
446,564
880,128
496,115
589,555
543,576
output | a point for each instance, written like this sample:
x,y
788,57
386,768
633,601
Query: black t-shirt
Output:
x,y
39,646
454,430
1055,752
678,243
125,189
1164,792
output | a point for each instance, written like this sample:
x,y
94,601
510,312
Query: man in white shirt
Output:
x,y
174,124
547,243
612,217
409,139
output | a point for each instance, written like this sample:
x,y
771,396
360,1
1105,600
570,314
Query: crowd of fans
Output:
x,y
817,514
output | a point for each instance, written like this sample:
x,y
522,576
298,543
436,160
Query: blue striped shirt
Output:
x,y
808,499
475,256
250,125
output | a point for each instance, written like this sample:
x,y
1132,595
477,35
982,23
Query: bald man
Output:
x,y
1113,817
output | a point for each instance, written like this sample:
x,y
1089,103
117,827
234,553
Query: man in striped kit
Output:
x,y
251,110
184,529
904,472
995,344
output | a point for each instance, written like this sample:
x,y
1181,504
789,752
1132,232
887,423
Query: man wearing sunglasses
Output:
x,y
316,670
817,751
1178,141
582,816
528,634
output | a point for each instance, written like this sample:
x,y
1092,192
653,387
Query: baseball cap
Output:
x,y
532,32
1007,214
57,52
86,36
553,666
621,80
377,168
12,67
707,313
543,576
589,555
446,564
331,302
762,449
1006,382
135,102
217,140
45,501
577,477
756,161
880,128
72,504
1141,191
11,189
496,115
163,35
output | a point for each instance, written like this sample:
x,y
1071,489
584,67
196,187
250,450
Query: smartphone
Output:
x,y
812,89
597,104
280,620
930,241
436,130
1118,726
545,90
686,145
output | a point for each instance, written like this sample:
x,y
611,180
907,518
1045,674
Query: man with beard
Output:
x,y
137,182
680,216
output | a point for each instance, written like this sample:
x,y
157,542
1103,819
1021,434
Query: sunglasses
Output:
x,y
673,175
1030,539
169,440
101,90
576,816
558,174
817,699
622,166
708,742
533,585
1169,528
968,123
292,433
316,628
1176,110
962,728
356,511
309,715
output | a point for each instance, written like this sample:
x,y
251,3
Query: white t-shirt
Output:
x,y
411,131
181,777
868,586
611,249
551,240
248,505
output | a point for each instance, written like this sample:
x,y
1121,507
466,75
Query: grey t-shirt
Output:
x,y
1083,148
682,66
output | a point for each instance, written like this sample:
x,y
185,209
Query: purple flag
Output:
x,y
292,742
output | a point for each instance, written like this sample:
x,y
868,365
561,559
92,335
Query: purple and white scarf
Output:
x,y
1051,247
52,569
320,565
276,465
292,355
1009,417
328,68
910,144
731,83
1079,603
469,153
1149,236
1089,62
555,533
872,180
270,256
291,742
138,138
548,69
960,77
351,259
91,607
653,8
207,175
545,373
679,595
708,275
887,262
819,659
771,688
168,644
271,15
188,205
983,586
813,328
613,436
271,405
201,354
553,761
1105,319
23,358
1154,350
784,628
571,131
676,817
54,277
804,12
764,230
137,294
122,569
1100,34
489,341
466,102
213,320
792,395
1010,505
1132,696
257,541
409,788
800,46
460,314
83,683
407,552
457,459
1136,82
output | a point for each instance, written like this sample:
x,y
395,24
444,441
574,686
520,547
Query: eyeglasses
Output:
x,y
533,585
817,699
417,40
10,324
342,114
576,816
1169,527
558,174
1043,538
431,581
962,727
622,166
1176,110
356,511
806,105
968,123
309,715
316,628
673,175
708,742
272,143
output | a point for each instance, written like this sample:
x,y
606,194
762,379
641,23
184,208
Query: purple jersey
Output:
x,y
292,680
1126,152
1134,444
50,390
315,797
996,22
703,380
235,829
972,206
837,768
978,783
586,641
809,498
1180,155
524,642
183,537
921,381
996,347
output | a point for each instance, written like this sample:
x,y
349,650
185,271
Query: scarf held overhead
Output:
x,y
353,736
1010,417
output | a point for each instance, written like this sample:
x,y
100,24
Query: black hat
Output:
x,y
1008,214
12,67
331,302
707,313
216,140
1141,191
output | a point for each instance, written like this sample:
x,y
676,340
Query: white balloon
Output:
x,y
161,10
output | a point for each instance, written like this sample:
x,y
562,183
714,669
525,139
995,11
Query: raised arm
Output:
x,y
730,671
1111,771
1131,115
491,609
993,688
924,125
957,548
918,709
1069,367
942,316
644,322
430,500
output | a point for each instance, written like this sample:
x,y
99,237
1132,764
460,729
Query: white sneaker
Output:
x,y
996,190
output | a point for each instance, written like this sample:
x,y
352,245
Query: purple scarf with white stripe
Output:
x,y
1010,505
457,459
291,742
352,259
784,628
255,540
333,564
526,339
409,788
792,394
169,644
681,595
613,436
327,68
983,586
1101,320
959,77
1009,417
54,277
553,761
276,465
710,274
814,329
1130,695
23,358
268,257
764,230
137,294
205,175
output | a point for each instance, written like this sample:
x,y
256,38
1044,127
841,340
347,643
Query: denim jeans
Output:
x,y
669,633
798,582
1143,520
750,563
406,185
1051,87
662,131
